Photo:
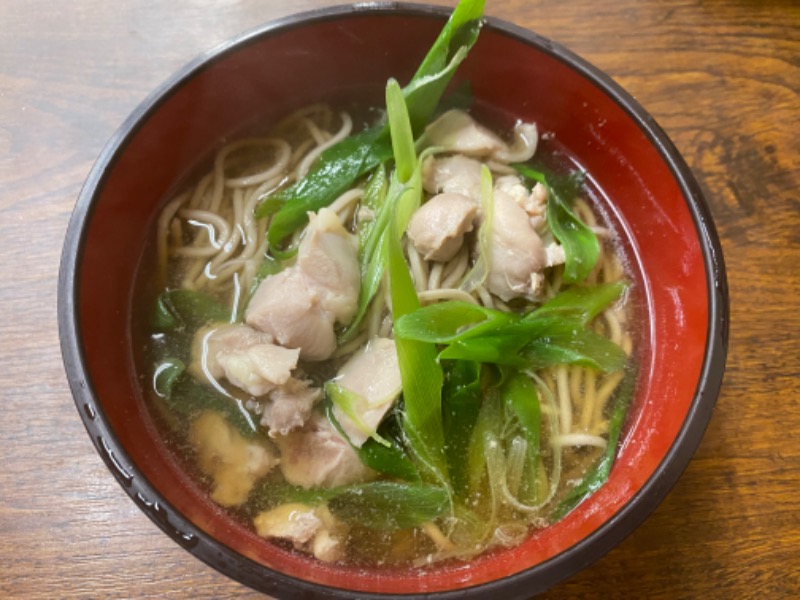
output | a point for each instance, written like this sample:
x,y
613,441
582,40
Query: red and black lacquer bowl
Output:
x,y
346,54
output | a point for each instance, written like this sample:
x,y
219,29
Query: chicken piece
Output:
x,y
308,528
453,174
456,131
534,202
294,522
437,227
537,205
328,259
289,310
233,462
373,375
318,456
300,305
209,341
245,357
289,406
259,369
517,254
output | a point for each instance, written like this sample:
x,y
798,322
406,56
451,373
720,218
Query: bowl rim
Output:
x,y
249,572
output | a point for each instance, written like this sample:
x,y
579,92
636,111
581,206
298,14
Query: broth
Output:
x,y
536,438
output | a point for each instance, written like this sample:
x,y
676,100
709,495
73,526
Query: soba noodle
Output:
x,y
208,240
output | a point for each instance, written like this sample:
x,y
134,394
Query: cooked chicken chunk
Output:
x,y
300,305
210,341
233,462
328,260
289,406
318,456
437,227
453,174
456,131
517,255
308,528
534,202
373,375
260,368
245,357
285,306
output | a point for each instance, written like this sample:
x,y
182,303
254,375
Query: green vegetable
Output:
x,y
420,373
342,164
581,246
582,303
461,402
519,394
485,433
564,342
273,490
446,322
387,505
348,402
187,309
390,460
477,274
557,335
165,375
371,249
335,172
380,505
405,155
188,397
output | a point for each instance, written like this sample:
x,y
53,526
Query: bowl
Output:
x,y
345,53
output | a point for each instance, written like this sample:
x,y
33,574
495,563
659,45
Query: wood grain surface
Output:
x,y
722,77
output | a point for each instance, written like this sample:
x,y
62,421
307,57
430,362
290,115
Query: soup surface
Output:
x,y
389,354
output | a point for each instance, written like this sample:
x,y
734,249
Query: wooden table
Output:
x,y
722,77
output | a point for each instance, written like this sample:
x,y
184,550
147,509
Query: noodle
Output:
x,y
209,240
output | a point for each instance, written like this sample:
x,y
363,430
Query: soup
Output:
x,y
395,345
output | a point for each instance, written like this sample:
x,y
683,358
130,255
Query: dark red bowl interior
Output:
x,y
347,54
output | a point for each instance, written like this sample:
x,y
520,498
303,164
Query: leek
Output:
x,y
582,303
420,373
187,309
341,165
461,402
388,505
519,394
390,460
477,274
348,402
581,247
532,341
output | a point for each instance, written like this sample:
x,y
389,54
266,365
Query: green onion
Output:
x,y
187,309
557,335
581,246
477,274
341,165
390,460
583,302
461,402
348,402
388,505
519,394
